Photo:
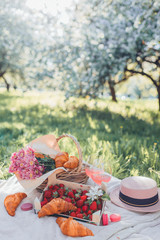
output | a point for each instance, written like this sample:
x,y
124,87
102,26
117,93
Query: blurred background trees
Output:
x,y
96,50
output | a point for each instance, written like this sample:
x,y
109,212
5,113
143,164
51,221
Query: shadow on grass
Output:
x,y
127,135
83,122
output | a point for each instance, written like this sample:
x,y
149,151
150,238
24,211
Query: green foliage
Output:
x,y
123,138
46,161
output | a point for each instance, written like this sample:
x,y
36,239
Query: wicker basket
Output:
x,y
77,175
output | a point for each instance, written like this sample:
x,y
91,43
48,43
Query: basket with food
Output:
x,y
42,158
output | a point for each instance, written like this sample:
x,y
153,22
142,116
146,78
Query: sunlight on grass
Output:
x,y
123,138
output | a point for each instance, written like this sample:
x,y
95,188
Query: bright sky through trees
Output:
x,y
55,7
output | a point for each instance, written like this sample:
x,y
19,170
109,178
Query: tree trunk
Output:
x,y
7,84
112,90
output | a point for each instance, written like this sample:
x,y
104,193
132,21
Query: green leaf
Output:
x,y
105,197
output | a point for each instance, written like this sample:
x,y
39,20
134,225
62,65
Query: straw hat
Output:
x,y
138,194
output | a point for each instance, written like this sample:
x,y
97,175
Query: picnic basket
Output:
x,y
77,175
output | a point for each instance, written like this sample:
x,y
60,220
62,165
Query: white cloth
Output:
x,y
26,225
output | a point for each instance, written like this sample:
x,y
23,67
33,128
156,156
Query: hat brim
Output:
x,y
114,196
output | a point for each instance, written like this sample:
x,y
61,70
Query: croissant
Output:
x,y
55,206
11,202
72,162
60,159
73,228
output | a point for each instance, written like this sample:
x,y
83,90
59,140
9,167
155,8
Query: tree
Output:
x,y
120,36
18,41
144,59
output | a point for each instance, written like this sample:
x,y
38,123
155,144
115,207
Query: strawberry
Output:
x,y
54,190
47,193
79,215
79,203
77,196
43,203
73,214
49,199
89,212
84,192
85,208
79,210
61,191
55,187
70,194
74,191
90,217
83,197
51,187
86,203
68,199
99,206
61,185
93,206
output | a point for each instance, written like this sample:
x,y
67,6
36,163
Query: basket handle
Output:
x,y
78,148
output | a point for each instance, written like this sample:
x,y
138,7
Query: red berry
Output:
x,y
44,202
68,200
80,203
84,192
84,197
84,208
89,212
79,215
79,210
73,214
85,214
55,187
77,196
99,206
74,191
71,194
47,193
93,206
61,192
51,187
90,217
86,203
61,185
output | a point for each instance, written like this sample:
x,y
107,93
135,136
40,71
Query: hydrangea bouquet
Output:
x,y
29,164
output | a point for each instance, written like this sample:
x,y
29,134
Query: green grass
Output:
x,y
123,136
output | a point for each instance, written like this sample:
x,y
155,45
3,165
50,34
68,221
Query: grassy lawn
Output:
x,y
123,136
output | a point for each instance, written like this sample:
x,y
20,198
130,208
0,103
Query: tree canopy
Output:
x,y
102,45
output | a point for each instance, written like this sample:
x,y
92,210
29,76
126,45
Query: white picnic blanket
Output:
x,y
26,225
